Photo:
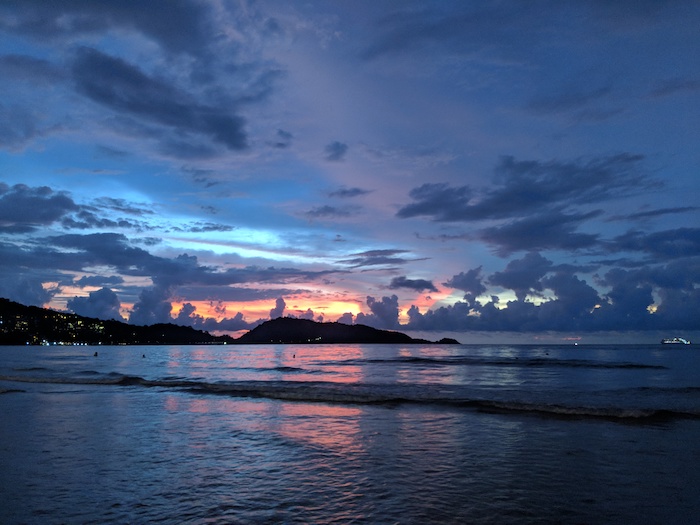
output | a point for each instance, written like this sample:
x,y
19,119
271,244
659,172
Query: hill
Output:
x,y
20,325
31,325
290,330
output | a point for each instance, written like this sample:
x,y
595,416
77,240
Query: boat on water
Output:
x,y
675,341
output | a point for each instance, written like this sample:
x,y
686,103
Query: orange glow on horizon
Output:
x,y
254,310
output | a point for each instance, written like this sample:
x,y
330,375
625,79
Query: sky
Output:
x,y
466,167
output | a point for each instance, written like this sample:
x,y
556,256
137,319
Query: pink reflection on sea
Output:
x,y
332,427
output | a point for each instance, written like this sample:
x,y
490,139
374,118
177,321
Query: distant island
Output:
x,y
31,325
289,330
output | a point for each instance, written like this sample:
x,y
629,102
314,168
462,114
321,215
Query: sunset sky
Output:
x,y
444,166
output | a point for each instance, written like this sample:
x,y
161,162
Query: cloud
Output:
x,y
101,304
346,318
569,303
126,89
86,220
667,244
309,314
375,258
385,313
18,126
203,227
335,151
278,310
26,288
650,214
574,306
24,209
419,285
523,276
103,248
185,29
467,29
30,69
540,205
283,139
544,231
348,193
187,316
438,200
123,206
525,187
153,307
469,282
99,280
326,211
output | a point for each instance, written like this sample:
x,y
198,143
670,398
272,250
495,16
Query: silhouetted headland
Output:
x,y
31,325
289,330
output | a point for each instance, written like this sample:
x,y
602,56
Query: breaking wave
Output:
x,y
508,362
373,394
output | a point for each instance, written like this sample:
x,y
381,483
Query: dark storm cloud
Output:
x,y
376,258
25,287
523,276
470,282
100,248
348,193
100,304
664,245
524,187
153,306
180,26
385,313
99,280
573,304
125,88
533,197
553,231
188,317
335,151
419,285
24,209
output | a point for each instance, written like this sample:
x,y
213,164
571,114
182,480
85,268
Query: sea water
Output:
x,y
350,434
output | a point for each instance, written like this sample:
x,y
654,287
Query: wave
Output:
x,y
10,390
508,362
374,394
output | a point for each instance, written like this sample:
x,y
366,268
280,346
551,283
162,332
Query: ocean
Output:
x,y
350,434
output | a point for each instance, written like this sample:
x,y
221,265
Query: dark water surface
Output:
x,y
350,434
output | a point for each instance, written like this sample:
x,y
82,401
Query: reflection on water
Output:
x,y
335,428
